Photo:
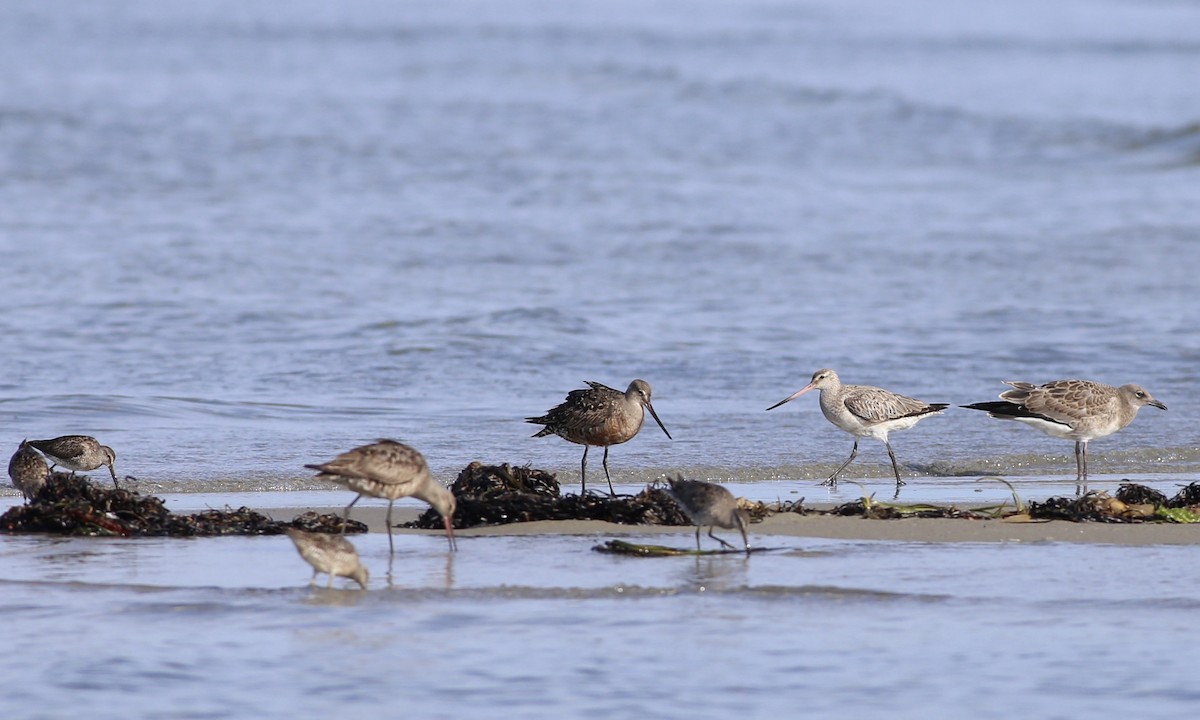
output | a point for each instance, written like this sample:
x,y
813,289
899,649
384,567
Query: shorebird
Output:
x,y
78,452
27,470
390,470
1079,410
865,411
330,554
599,416
709,504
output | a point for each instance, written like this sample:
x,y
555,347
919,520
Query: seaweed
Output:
x,y
1134,494
1189,496
621,547
71,505
499,494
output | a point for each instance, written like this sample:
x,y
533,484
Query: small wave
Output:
x,y
1172,147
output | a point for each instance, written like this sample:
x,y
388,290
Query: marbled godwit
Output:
x,y
599,416
391,470
1079,410
865,411
78,452
330,554
27,470
709,504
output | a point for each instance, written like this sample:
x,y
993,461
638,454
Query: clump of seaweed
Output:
x,y
1090,507
70,505
500,494
1134,494
1189,496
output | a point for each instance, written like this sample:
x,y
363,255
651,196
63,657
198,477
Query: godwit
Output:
x,y
599,416
391,470
27,470
709,504
78,452
865,411
1079,410
330,554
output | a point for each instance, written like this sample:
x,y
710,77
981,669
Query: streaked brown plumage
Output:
x,y
865,411
390,470
331,554
78,452
709,504
27,470
1079,410
599,416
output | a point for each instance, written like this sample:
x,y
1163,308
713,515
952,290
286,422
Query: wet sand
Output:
x,y
931,530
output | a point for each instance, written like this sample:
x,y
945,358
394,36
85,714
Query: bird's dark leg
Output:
x,y
611,492
346,513
832,481
714,537
697,537
583,473
895,467
742,528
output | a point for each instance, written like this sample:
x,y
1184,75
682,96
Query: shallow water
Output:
x,y
205,628
243,236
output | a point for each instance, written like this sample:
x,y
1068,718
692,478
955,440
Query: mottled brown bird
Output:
x,y
27,470
1079,410
599,416
78,452
390,470
330,554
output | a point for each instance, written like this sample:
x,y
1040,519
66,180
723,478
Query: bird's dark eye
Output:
x,y
1141,394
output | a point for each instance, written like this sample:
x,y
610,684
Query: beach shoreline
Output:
x,y
914,530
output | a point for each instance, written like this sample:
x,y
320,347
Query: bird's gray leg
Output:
x,y
895,467
832,481
388,520
1080,467
330,586
611,492
714,537
312,581
583,473
742,528
697,537
346,513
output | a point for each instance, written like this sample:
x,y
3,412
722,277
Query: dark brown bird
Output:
x,y
330,554
390,470
599,416
27,470
78,452
709,504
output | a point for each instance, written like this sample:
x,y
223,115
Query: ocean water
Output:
x,y
244,236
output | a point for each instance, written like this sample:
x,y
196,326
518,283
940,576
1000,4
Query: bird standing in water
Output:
x,y
599,416
865,411
709,504
1079,410
330,554
390,470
